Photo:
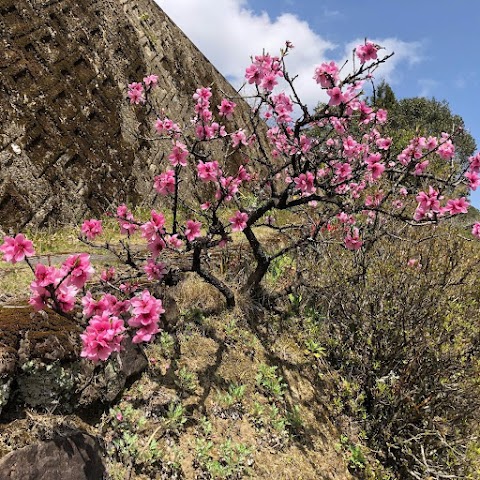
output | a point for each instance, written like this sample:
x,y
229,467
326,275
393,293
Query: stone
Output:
x,y
75,457
109,379
70,143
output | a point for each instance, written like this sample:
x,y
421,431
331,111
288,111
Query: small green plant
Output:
x,y
228,461
278,268
257,413
127,447
314,348
295,302
203,449
230,327
354,454
278,422
295,420
234,395
269,382
167,344
186,381
175,418
205,427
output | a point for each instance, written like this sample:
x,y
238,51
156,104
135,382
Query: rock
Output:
x,y
75,457
110,378
71,144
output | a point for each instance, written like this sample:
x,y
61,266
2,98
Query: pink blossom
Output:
x,y
343,171
427,202
135,93
253,74
173,241
65,296
108,275
381,116
226,108
305,183
420,167
432,143
154,226
202,95
151,80
374,200
269,82
165,182
473,179
414,263
179,155
384,143
238,138
374,166
475,162
146,311
91,306
92,228
124,219
192,230
476,229
345,218
47,275
327,74
155,271
208,171
336,96
156,245
15,249
166,127
446,150
228,188
78,268
102,336
352,240
366,52
457,205
238,221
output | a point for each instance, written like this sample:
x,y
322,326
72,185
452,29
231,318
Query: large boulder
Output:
x,y
70,143
74,457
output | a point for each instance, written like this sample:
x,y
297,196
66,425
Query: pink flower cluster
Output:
x,y
102,336
352,239
429,205
153,232
327,75
167,127
146,311
239,221
473,172
58,287
92,228
137,90
264,72
126,220
367,52
106,328
165,182
15,249
205,127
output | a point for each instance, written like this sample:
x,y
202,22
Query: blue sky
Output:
x,y
435,42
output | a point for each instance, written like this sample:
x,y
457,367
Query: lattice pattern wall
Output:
x,y
67,136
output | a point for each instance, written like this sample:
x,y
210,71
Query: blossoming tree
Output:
x,y
332,172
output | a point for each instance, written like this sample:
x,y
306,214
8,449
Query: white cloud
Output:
x,y
427,86
229,32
